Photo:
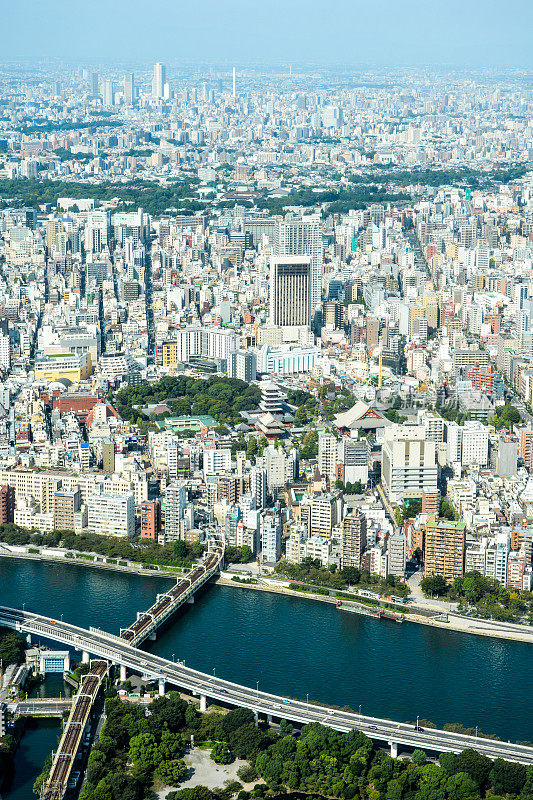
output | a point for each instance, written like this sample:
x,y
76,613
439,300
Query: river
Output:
x,y
295,647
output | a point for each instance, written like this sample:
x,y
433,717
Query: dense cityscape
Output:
x,y
273,328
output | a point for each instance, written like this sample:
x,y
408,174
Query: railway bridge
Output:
x,y
62,772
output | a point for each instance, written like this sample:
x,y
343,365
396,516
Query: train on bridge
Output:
x,y
169,602
57,783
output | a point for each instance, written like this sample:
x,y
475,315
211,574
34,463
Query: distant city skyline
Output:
x,y
448,32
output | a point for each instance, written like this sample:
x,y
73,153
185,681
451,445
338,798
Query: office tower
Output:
x,y
96,231
290,291
150,519
234,86
372,333
333,314
108,94
294,236
66,506
94,84
159,80
7,504
108,455
444,550
129,89
54,228
409,462
353,539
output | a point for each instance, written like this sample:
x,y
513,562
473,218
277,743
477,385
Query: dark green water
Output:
x,y
36,744
294,646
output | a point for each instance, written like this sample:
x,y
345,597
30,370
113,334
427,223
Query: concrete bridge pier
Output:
x,y
122,673
85,657
393,749
256,718
28,638
190,600
203,702
269,719
161,686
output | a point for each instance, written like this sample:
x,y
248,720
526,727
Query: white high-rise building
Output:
x,y
409,462
475,450
271,537
111,514
96,231
158,81
242,365
295,236
108,94
129,89
454,439
175,502
216,461
258,486
173,453
5,355
397,553
327,456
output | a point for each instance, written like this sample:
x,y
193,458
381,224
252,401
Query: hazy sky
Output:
x,y
353,32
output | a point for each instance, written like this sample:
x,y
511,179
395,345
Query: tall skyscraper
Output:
x,y
129,89
94,84
234,85
108,94
290,291
295,236
159,80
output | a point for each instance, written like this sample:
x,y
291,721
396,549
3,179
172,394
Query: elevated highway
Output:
x,y
207,687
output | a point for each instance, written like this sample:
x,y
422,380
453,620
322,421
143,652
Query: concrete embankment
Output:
x,y
455,622
87,560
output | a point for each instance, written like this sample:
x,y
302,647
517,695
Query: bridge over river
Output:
x,y
208,687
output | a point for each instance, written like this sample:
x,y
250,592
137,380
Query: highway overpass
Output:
x,y
207,687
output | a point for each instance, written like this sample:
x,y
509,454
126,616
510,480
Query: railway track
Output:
x,y
57,782
164,604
